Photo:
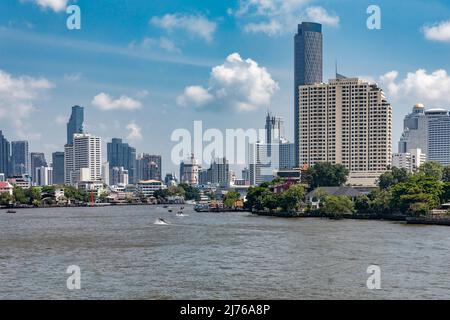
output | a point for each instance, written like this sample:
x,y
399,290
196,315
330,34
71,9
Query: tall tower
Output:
x,y
20,161
75,124
5,155
307,67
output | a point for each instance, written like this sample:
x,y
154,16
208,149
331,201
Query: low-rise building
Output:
x,y
6,187
147,188
410,160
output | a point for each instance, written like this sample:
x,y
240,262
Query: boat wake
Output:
x,y
161,221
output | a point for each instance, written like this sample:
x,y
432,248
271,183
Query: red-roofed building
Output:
x,y
6,187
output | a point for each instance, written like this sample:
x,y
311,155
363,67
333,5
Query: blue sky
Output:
x,y
132,61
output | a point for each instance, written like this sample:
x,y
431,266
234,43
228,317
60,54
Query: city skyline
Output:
x,y
164,66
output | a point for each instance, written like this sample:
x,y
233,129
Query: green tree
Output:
x,y
432,169
362,204
6,199
34,195
380,201
337,206
255,198
446,174
390,178
230,198
270,201
292,198
446,192
19,195
191,193
325,174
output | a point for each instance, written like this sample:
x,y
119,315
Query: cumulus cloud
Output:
x,y
239,84
18,96
432,88
275,17
194,95
55,5
105,102
320,15
134,132
438,32
196,25
156,44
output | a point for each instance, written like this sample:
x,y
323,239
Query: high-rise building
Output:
x,y
274,128
5,155
83,159
69,164
58,167
219,172
427,130
349,122
149,167
439,137
44,176
189,171
20,158
75,124
120,154
308,58
410,160
119,176
170,180
37,160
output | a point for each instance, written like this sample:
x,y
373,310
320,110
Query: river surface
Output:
x,y
122,254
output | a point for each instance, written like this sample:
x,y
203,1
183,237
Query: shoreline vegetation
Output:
x,y
422,197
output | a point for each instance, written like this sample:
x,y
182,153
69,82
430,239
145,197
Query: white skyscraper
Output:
x,y
348,122
44,176
86,153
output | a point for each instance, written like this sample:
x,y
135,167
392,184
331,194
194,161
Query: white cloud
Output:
x,y
438,32
275,17
55,5
72,76
194,95
197,25
238,84
105,102
320,15
134,132
156,43
419,86
18,96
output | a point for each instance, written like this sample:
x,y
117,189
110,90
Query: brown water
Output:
x,y
124,255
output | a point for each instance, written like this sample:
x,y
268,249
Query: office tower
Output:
x,y
287,155
2,177
149,167
439,136
75,124
307,65
274,128
20,158
410,160
69,164
106,173
427,130
5,155
189,171
219,173
349,122
44,176
120,154
37,160
119,176
58,167
83,159
415,130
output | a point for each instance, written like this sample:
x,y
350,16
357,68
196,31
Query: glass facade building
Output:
x,y
308,64
120,154
75,124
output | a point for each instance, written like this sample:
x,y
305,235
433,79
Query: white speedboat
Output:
x,y
161,221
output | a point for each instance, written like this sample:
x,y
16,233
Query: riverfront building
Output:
x,y
83,159
58,167
20,158
428,130
349,122
308,58
189,171
410,160
121,154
